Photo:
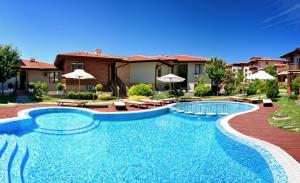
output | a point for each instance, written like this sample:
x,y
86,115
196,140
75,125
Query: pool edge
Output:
x,y
287,162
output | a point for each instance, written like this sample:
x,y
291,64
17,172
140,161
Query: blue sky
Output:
x,y
231,29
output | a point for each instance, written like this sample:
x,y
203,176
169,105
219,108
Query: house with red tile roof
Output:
x,y
259,63
34,70
293,67
117,73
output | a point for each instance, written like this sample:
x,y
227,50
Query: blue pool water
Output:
x,y
66,145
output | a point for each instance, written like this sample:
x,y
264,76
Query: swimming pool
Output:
x,y
73,145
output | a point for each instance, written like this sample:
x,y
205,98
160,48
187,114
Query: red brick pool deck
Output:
x,y
253,124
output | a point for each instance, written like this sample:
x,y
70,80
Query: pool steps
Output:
x,y
12,159
84,129
173,109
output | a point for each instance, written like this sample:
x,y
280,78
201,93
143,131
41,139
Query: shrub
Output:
x,y
282,85
255,85
10,85
39,88
98,87
251,90
230,88
296,84
137,97
60,86
140,89
160,95
82,95
272,89
106,96
202,90
293,96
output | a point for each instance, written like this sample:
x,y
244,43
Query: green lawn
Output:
x,y
287,107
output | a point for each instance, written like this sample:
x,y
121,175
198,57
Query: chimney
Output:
x,y
32,60
98,51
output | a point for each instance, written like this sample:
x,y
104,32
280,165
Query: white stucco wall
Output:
x,y
191,77
143,72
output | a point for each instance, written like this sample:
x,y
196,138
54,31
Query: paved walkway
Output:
x,y
255,124
23,99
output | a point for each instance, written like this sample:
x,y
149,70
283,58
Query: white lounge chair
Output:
x,y
267,102
77,102
136,103
169,100
152,102
119,105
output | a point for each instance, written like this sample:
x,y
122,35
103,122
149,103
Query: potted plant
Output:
x,y
98,88
30,87
60,87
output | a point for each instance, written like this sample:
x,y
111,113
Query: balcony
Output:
x,y
294,67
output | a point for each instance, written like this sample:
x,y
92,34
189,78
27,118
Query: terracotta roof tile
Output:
x,y
185,58
34,64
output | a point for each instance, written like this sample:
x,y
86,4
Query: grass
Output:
x,y
287,107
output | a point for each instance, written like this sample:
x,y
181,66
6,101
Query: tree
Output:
x,y
9,64
240,76
216,71
270,69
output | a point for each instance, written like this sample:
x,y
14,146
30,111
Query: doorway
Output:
x,y
183,72
113,71
23,79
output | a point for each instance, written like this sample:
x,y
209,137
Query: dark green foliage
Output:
x,y
82,95
9,63
216,71
296,84
270,69
60,86
293,96
240,76
272,89
39,89
202,90
230,88
140,89
256,85
282,85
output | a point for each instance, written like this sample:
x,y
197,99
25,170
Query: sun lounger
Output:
x,y
152,102
237,98
136,103
254,100
190,99
97,104
267,102
169,100
119,105
77,102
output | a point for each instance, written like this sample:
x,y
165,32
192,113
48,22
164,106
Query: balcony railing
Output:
x,y
294,66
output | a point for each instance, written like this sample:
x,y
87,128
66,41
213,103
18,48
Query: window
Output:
x,y
53,76
198,69
78,65
159,72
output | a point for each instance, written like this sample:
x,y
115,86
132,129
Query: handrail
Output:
x,y
115,88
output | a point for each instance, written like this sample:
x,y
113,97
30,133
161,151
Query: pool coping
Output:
x,y
288,163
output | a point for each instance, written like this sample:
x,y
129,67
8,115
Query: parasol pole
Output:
x,y
78,88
